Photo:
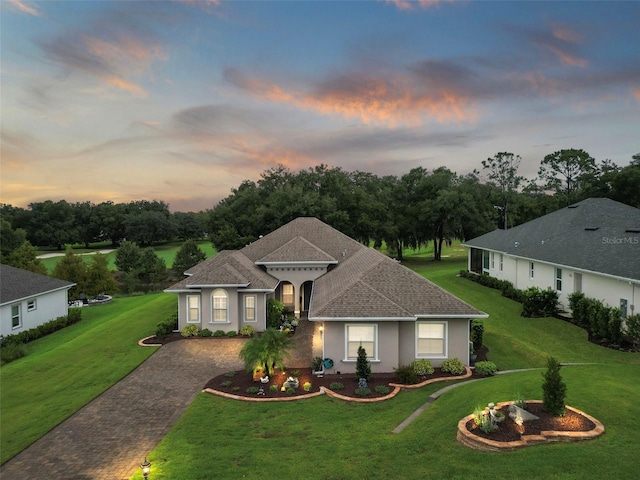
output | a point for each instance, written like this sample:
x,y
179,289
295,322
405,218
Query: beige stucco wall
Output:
x,y
396,345
236,311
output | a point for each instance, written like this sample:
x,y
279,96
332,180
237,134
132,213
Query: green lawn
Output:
x,y
166,251
66,370
231,439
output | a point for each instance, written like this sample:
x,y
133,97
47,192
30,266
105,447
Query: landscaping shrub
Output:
x,y
363,392
336,386
226,383
274,312
307,386
295,373
477,333
486,369
553,389
231,333
273,388
290,391
406,375
579,305
10,352
230,374
632,328
540,303
219,333
422,367
363,366
316,364
253,390
45,329
453,366
247,330
205,333
189,331
166,326
235,388
382,389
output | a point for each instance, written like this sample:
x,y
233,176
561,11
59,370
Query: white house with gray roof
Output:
x,y
592,246
29,299
360,296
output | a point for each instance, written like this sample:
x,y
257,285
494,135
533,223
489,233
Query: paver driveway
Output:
x,y
108,438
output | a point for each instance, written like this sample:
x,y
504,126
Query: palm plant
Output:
x,y
266,351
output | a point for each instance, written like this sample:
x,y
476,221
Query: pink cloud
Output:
x,y
24,8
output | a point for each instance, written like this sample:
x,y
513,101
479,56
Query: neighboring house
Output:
x,y
29,299
592,246
360,296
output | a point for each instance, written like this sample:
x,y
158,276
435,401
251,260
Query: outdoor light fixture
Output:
x,y
146,467
321,328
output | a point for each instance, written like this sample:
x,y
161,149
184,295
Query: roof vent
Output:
x,y
633,230
575,205
591,229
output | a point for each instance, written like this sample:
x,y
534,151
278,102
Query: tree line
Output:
x,y
411,210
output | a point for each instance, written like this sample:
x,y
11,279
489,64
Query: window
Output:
x,y
220,304
31,305
431,339
15,316
485,260
287,294
501,262
193,309
559,279
493,260
365,335
250,308
531,270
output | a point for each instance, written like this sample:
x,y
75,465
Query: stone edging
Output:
x,y
434,380
258,399
142,344
396,389
465,437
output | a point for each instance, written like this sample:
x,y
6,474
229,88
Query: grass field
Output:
x,y
64,371
323,438
166,251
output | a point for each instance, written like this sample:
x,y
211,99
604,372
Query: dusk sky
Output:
x,y
182,100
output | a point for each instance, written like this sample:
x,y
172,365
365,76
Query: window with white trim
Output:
x,y
287,294
32,305
493,260
431,339
250,308
559,279
501,262
532,270
357,335
193,308
485,260
220,306
16,320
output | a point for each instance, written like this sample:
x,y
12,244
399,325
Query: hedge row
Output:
x,y
535,301
594,316
74,316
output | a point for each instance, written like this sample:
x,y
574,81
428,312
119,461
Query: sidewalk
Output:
x,y
109,438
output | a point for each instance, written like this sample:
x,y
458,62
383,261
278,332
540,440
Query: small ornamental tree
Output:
x,y
553,389
266,351
363,366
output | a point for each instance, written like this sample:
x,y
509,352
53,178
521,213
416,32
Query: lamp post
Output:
x,y
146,467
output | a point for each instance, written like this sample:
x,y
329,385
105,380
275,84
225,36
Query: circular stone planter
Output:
x,y
471,440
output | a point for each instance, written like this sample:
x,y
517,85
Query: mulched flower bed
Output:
x,y
241,380
508,430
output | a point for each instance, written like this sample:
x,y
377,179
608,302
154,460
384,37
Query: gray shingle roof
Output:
x,y
597,234
16,283
364,283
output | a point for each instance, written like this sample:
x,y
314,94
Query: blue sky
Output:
x,y
182,100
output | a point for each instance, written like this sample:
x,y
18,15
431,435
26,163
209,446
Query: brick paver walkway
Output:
x,y
108,438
